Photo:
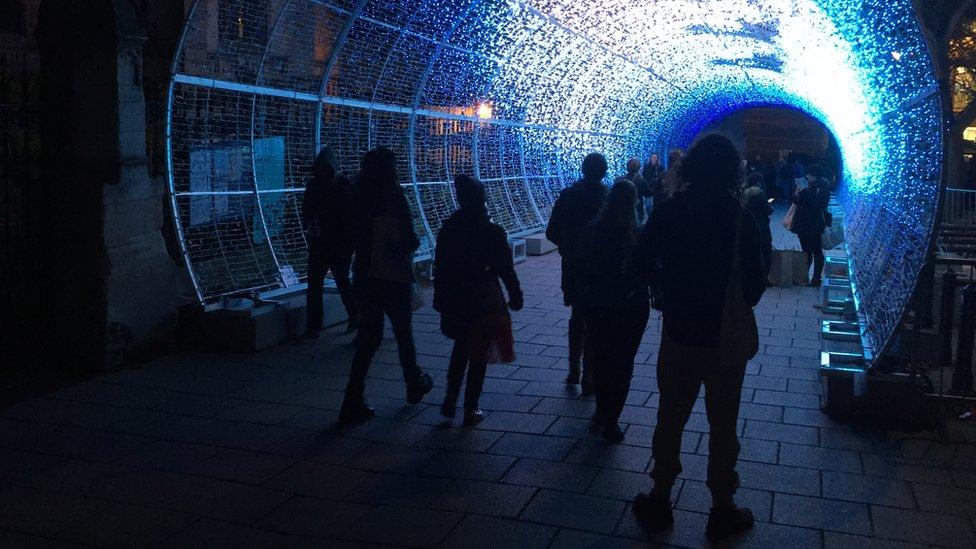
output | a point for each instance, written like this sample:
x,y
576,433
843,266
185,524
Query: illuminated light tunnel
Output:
x,y
516,93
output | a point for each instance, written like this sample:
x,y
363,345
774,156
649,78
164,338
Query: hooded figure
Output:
x,y
327,223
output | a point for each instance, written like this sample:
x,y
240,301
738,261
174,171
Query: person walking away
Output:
x,y
327,223
754,200
671,183
576,206
615,299
809,220
636,176
382,276
653,177
704,249
472,255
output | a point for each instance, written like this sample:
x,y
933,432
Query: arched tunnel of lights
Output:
x,y
516,92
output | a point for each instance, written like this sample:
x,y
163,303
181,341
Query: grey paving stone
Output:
x,y
763,382
792,400
546,374
465,440
615,456
836,540
822,514
486,498
45,514
871,442
622,485
883,466
565,407
505,403
803,374
414,527
588,513
518,423
389,431
546,474
313,517
815,457
466,465
782,432
880,491
695,496
533,446
805,386
762,412
321,447
317,479
574,428
574,539
643,435
688,530
779,478
489,532
923,527
217,533
397,490
945,499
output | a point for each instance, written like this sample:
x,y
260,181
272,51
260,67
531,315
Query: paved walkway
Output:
x,y
198,449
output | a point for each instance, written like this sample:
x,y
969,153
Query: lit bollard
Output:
x,y
962,378
946,314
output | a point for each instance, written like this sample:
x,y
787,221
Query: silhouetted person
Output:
x,y
671,183
615,298
382,275
472,255
754,200
576,206
636,177
784,176
688,245
327,220
809,220
653,179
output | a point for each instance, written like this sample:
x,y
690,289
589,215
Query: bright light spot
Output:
x,y
484,111
896,55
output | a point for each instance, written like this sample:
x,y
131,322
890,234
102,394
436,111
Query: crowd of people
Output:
x,y
690,239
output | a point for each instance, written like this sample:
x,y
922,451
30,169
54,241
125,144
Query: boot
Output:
x,y
574,375
419,387
653,513
613,433
728,521
355,409
449,408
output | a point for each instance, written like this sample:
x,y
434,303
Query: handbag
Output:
x,y
789,218
738,334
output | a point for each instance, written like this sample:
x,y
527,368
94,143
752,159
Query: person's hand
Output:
x,y
515,302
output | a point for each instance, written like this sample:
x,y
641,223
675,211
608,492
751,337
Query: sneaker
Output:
x,y
355,409
418,388
574,376
652,512
613,433
728,521
472,417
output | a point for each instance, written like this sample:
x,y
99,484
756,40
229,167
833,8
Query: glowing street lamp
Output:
x,y
484,110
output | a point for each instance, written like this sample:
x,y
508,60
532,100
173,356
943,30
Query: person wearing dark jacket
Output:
x,y
327,223
809,221
688,246
472,255
576,206
384,244
616,300
754,200
636,177
652,175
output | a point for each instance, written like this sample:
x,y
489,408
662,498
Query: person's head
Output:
x,y
655,159
784,155
755,180
675,156
470,193
633,166
594,167
378,168
621,204
814,173
326,165
713,164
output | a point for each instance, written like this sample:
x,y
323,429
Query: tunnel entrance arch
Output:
x,y
517,93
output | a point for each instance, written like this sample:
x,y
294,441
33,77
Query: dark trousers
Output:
x,y
317,266
377,297
681,371
578,344
455,375
810,244
614,335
